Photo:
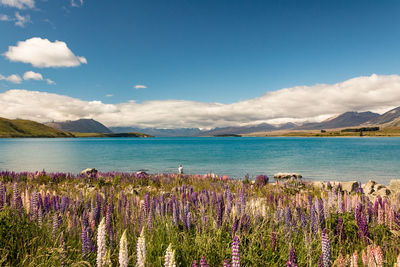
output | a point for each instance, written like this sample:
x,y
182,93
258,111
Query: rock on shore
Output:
x,y
287,175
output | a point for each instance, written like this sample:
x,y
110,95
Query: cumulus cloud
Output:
x,y
21,20
43,53
20,4
13,78
140,87
312,103
30,75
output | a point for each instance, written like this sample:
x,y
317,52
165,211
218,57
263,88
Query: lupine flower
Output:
x,y
101,243
141,250
273,241
55,225
84,238
235,252
340,261
194,263
354,259
123,256
288,218
170,257
364,258
378,256
326,249
339,229
63,248
220,210
203,262
226,263
292,262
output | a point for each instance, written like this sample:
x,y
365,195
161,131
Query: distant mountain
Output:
x,y
27,128
179,132
390,117
80,126
347,119
264,127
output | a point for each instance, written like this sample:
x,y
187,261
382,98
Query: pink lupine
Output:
x,y
378,256
354,259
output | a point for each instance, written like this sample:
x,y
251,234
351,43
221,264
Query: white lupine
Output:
x,y
123,251
101,243
141,250
170,257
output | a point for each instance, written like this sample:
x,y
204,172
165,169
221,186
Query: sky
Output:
x,y
173,64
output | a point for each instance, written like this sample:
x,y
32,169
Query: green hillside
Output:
x,y
27,128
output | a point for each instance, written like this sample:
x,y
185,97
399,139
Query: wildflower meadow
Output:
x,y
129,219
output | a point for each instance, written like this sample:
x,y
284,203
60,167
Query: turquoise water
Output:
x,y
315,158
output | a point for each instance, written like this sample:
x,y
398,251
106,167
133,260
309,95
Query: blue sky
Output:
x,y
202,51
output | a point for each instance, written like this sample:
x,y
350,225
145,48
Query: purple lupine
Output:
x,y
340,229
235,226
175,213
226,263
220,210
321,214
326,249
228,196
194,264
273,241
235,252
288,218
84,239
185,216
261,180
203,262
361,222
189,220
313,222
2,195
292,262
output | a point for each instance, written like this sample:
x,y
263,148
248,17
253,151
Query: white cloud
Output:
x,y
51,82
13,78
20,4
21,20
300,103
30,75
140,87
43,53
4,17
76,3
109,95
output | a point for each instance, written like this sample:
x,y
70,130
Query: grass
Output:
x,y
27,128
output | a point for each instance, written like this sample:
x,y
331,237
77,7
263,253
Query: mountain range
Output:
x,y
345,120
80,126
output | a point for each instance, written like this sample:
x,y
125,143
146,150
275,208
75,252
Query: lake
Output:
x,y
315,158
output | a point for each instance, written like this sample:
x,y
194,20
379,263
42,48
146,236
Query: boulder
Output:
x,y
369,187
395,185
89,171
350,186
382,191
287,175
